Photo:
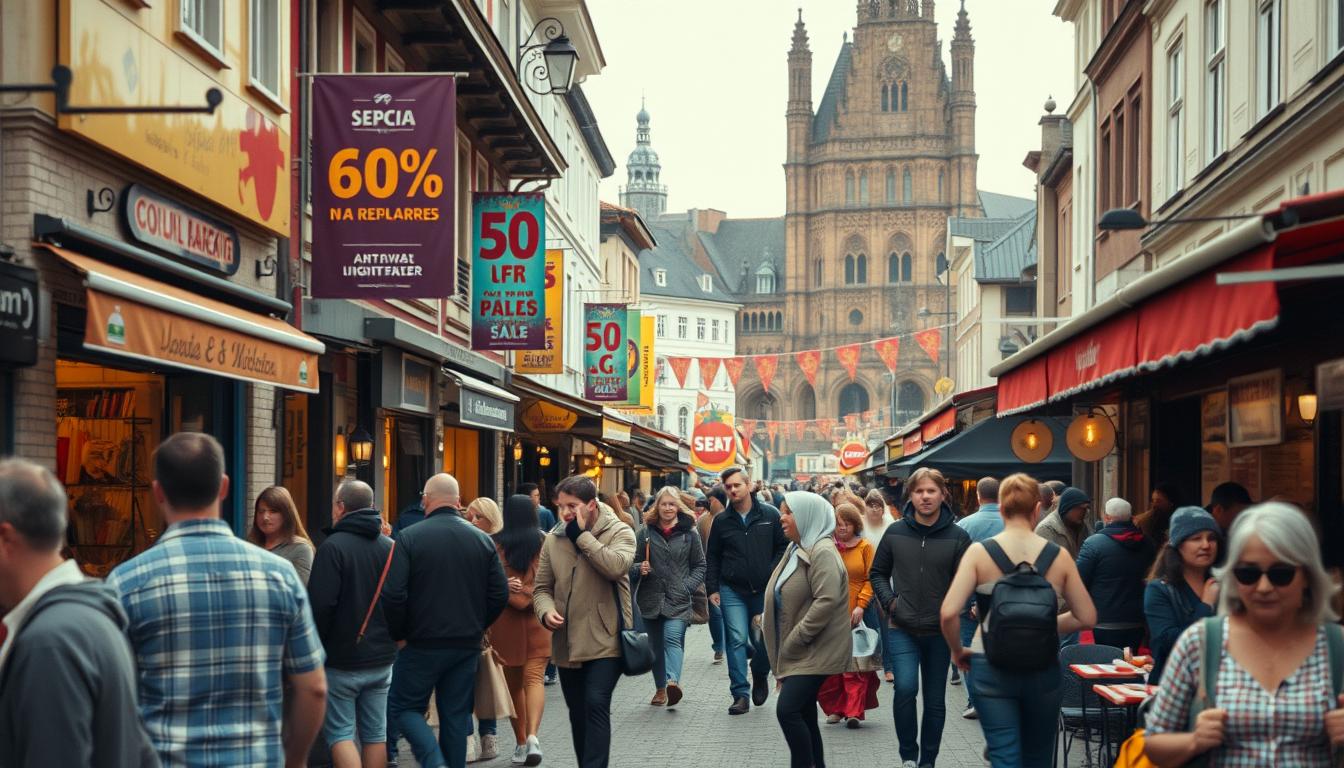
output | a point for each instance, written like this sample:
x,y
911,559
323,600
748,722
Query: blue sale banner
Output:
x,y
606,377
508,271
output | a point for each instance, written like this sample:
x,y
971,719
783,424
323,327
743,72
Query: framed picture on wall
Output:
x,y
1255,410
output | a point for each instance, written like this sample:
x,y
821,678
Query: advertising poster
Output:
x,y
633,361
1254,411
713,439
382,180
508,271
641,363
550,359
606,375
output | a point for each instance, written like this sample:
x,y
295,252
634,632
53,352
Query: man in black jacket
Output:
x,y
1114,563
67,677
912,569
445,587
746,542
343,589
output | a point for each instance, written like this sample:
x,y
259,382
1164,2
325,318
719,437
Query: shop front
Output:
x,y
19,319
1221,367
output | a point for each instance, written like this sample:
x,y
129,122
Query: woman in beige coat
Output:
x,y
806,624
582,594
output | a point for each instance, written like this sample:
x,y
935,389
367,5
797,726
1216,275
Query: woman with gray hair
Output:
x,y
1274,643
806,622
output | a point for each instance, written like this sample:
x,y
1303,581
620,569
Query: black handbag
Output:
x,y
636,652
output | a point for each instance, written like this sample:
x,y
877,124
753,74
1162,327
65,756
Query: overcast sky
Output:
x,y
715,76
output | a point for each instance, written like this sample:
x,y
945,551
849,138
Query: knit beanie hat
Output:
x,y
1070,498
1187,521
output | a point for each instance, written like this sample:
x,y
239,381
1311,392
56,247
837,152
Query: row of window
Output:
x,y
859,195
714,326
762,322
895,97
852,398
202,21
900,268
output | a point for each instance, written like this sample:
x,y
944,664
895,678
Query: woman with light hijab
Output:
x,y
806,623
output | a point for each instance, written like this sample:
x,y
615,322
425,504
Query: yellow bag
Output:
x,y
1131,753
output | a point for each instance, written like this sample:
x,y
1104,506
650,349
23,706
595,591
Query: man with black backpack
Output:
x,y
1016,577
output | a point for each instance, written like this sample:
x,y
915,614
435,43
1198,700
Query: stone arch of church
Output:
x,y
804,402
852,397
911,399
898,245
830,386
756,403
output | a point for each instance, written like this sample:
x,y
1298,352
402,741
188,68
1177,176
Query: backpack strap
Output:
x,y
1046,558
1334,643
999,557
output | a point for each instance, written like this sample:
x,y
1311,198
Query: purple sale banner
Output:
x,y
382,181
508,271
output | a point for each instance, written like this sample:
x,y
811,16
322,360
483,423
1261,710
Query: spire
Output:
x,y
963,26
644,190
799,35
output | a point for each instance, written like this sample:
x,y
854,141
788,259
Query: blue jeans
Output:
x,y
668,639
487,727
357,697
737,612
919,658
448,673
716,627
1018,712
968,627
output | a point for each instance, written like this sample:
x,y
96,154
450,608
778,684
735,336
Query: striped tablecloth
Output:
x,y
1124,694
1101,671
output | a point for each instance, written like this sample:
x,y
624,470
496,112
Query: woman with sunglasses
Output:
x,y
1272,702
1181,590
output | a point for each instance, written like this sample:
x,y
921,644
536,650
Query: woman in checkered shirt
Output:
x,y
1273,701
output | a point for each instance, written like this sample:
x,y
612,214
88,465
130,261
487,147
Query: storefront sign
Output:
x,y
551,359
482,410
605,358
18,314
383,171
175,229
238,156
1255,410
615,430
713,439
542,416
508,270
852,455
417,382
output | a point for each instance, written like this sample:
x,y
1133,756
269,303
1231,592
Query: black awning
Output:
x,y
985,449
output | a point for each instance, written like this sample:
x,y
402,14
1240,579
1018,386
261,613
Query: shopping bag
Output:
x,y
493,701
1131,753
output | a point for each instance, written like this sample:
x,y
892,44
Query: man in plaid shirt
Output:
x,y
218,626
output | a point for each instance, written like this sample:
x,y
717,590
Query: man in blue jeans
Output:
x,y
984,523
444,588
912,570
745,544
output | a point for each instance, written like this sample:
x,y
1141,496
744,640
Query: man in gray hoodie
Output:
x,y
67,677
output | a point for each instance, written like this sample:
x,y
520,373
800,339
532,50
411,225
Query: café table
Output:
x,y
1117,671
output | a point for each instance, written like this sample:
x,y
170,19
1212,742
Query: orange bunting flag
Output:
x,y
810,362
930,341
680,367
734,366
889,350
747,428
766,365
709,370
799,429
848,356
824,428
852,422
772,429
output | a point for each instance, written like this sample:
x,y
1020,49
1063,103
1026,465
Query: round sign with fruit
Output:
x,y
852,455
713,440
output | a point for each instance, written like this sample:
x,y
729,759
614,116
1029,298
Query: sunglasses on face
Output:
x,y
1280,575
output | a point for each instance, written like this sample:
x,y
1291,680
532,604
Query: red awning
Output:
x,y
939,425
912,444
1176,313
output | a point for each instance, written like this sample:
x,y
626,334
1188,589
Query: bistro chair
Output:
x,y
1079,700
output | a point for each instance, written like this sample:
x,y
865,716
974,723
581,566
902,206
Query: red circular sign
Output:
x,y
852,455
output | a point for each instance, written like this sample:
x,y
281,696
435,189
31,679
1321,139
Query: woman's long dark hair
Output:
x,y
521,537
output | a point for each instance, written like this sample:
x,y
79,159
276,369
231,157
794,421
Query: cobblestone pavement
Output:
x,y
699,733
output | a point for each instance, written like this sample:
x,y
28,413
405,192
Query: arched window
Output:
x,y
907,268
763,406
849,187
905,105
940,185
755,322
907,187
885,99
639,175
893,268
779,321
817,269
853,399
909,402
662,419
861,269
849,269
863,187
895,97
807,403
684,421
891,185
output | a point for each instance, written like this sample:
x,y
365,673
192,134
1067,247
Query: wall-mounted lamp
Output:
x,y
361,447
1091,436
517,450
1032,441
1306,407
543,456
340,458
555,57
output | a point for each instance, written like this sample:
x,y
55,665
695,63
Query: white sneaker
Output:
x,y
971,714
489,747
533,751
471,749
909,764
519,755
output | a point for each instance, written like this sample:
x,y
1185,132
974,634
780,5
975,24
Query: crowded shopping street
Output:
x,y
709,383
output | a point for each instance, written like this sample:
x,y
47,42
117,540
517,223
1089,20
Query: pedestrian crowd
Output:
x,y
209,649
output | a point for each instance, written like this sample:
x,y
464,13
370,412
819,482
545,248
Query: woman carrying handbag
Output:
x,y
669,566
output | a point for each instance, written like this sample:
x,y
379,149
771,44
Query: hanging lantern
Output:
x,y
517,450
1091,436
1032,441
543,456
361,446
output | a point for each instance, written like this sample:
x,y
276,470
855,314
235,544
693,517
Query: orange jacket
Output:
x,y
858,561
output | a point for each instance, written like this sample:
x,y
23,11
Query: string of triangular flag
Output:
x,y
823,429
809,360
